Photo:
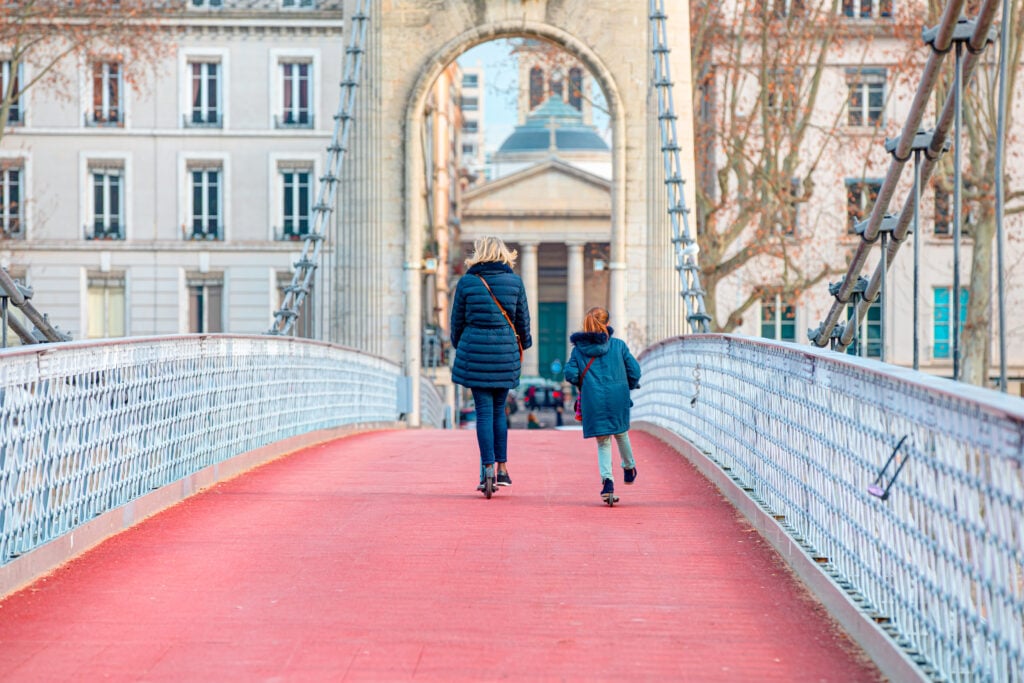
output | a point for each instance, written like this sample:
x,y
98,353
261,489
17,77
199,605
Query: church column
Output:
x,y
574,289
528,269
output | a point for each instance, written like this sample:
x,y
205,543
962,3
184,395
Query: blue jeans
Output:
x,y
491,425
604,453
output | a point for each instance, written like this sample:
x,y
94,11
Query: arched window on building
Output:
x,y
576,87
536,87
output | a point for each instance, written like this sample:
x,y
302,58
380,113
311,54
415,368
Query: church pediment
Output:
x,y
551,188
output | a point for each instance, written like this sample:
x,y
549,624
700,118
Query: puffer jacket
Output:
x,y
604,396
486,352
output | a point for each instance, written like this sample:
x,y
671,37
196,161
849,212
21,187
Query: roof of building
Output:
x,y
570,133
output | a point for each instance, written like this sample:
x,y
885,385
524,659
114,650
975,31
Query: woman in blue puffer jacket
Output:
x,y
490,327
605,371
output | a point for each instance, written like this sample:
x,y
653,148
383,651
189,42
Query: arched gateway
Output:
x,y
380,242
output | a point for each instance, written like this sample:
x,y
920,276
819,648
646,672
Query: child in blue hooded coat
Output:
x,y
605,372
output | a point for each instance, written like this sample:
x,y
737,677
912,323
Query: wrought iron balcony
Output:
x,y
290,233
265,5
12,229
199,233
293,120
97,119
114,231
200,120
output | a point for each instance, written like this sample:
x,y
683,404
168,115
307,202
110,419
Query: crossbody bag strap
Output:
x,y
507,319
585,371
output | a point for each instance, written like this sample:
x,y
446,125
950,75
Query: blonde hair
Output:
x,y
490,248
596,320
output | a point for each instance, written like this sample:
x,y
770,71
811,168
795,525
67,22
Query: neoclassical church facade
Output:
x,y
550,198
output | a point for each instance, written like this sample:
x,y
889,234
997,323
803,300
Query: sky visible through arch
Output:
x,y
501,83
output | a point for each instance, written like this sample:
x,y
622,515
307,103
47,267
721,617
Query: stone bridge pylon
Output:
x,y
383,217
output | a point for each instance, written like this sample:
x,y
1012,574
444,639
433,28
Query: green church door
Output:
x,y
553,338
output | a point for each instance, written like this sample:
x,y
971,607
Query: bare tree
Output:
x,y
42,34
766,128
978,154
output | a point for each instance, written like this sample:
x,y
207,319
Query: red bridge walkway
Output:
x,y
373,558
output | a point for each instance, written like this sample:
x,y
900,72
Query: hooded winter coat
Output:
x,y
604,396
486,352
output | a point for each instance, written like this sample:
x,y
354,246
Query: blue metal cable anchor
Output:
x,y
876,487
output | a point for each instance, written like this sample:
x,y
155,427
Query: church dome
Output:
x,y
570,133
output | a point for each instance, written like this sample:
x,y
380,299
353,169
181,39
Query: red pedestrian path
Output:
x,y
373,558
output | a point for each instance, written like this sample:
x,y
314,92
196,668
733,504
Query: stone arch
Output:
x,y
413,161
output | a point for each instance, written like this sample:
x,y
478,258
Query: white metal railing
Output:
x,y
88,426
939,561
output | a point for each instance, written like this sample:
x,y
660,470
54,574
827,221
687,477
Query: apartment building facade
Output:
x,y
180,206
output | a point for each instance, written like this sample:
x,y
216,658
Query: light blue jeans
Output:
x,y
604,454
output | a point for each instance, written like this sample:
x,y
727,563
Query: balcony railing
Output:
x,y
290,233
266,5
292,120
197,120
199,233
95,119
12,229
114,231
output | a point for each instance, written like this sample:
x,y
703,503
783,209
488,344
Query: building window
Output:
x,y
781,92
207,4
16,114
942,338
470,126
105,306
470,104
295,90
469,150
866,103
943,211
470,81
205,108
205,302
779,9
107,219
536,87
304,323
860,197
296,202
868,340
778,318
205,205
786,219
557,84
867,9
576,87
12,216
107,88
298,4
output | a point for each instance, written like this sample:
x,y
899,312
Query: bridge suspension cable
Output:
x,y
19,295
974,35
312,246
686,247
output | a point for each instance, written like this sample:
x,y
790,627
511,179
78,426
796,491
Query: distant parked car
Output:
x,y
540,392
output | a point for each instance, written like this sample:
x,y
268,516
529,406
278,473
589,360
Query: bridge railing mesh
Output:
x,y
88,427
938,562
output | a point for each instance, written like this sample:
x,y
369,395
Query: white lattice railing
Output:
x,y
87,427
939,562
